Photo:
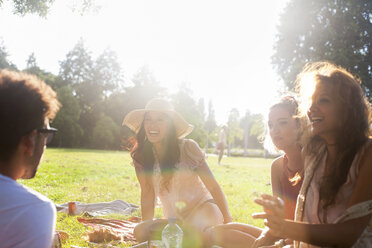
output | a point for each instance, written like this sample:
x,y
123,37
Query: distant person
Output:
x,y
221,144
173,169
334,206
285,129
27,218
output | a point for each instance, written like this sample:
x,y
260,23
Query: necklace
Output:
x,y
291,170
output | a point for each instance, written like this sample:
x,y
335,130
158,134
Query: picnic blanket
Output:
x,y
110,229
101,208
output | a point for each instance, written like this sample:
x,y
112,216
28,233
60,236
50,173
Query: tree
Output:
x,y
92,82
41,7
253,128
115,105
339,31
67,120
107,71
121,102
4,62
210,124
105,134
234,130
32,68
76,72
185,104
77,68
145,87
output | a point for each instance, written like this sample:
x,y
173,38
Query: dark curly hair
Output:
x,y
25,103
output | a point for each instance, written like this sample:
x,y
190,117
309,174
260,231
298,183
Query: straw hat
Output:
x,y
135,118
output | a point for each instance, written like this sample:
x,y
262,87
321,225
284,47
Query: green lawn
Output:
x,y
97,176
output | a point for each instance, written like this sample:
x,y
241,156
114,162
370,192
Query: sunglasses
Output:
x,y
50,131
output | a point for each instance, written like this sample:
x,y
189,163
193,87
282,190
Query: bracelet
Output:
x,y
280,243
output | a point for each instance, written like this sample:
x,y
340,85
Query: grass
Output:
x,y
91,176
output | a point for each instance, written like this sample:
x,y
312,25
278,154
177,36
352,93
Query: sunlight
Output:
x,y
220,49
306,91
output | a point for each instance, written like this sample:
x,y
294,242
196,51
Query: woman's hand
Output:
x,y
272,205
227,219
274,215
264,239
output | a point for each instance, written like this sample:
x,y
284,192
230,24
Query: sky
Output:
x,y
219,49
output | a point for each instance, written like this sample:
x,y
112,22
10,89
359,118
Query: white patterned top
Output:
x,y
186,190
308,209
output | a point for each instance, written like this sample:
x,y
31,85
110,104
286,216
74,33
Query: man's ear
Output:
x,y
28,143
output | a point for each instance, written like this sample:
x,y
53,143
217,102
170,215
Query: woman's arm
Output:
x,y
147,194
266,237
339,235
342,234
214,188
362,190
276,173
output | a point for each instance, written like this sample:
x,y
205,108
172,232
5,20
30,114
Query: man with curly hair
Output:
x,y
27,218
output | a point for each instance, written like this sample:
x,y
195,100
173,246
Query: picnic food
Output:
x,y
109,229
103,234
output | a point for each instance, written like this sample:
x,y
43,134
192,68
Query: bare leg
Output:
x,y
234,235
203,219
220,155
149,229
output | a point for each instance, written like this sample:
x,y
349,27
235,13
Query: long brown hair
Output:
x,y
143,153
355,119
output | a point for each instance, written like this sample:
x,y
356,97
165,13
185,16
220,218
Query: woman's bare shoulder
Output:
x,y
363,183
277,164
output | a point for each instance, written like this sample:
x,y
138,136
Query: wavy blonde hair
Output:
x,y
290,104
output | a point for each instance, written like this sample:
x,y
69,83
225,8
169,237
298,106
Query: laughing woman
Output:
x,y
174,170
334,206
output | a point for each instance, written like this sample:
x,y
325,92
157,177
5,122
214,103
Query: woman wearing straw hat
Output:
x,y
173,169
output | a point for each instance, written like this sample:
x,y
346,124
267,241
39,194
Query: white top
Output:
x,y
223,136
186,190
27,218
309,208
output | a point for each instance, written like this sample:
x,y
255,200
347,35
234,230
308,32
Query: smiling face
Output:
x,y
283,128
156,126
323,112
